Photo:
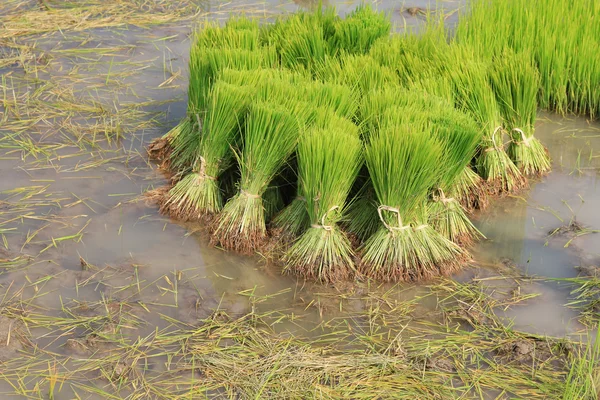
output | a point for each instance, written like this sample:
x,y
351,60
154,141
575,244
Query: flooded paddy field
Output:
x,y
103,297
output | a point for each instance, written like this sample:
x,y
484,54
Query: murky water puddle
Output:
x,y
72,203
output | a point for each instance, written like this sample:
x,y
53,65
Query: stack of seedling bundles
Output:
x,y
356,152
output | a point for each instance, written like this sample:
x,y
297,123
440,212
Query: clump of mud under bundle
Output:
x,y
357,152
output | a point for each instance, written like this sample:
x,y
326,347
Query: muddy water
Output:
x,y
85,203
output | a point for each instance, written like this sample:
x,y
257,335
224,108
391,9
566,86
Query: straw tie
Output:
x,y
323,226
394,210
442,197
249,195
420,227
524,139
495,146
202,171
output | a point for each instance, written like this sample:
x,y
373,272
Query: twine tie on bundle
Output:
x,y
202,171
524,139
394,210
249,195
442,197
495,146
323,226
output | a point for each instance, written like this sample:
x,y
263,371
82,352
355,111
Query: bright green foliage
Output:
x,y
270,136
328,163
198,193
356,33
516,82
402,163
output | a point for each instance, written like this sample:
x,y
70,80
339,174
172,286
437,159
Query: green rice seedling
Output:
x,y
360,72
328,163
435,84
474,94
459,137
205,64
294,218
261,76
515,82
402,163
270,136
583,378
356,33
341,99
198,193
301,46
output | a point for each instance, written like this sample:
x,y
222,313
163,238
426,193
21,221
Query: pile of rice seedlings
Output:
x,y
340,150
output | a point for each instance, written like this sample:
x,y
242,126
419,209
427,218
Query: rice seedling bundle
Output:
x,y
515,82
459,137
328,162
301,45
360,72
294,219
269,138
474,94
198,194
356,33
205,65
402,162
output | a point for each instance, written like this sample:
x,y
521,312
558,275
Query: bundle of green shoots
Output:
x,y
474,94
356,33
300,42
328,163
362,73
234,46
460,137
198,194
294,218
515,82
270,135
403,161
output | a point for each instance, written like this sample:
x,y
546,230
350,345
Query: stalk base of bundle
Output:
x,y
194,198
159,149
292,220
448,217
469,190
185,141
409,255
240,226
530,156
501,175
323,254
